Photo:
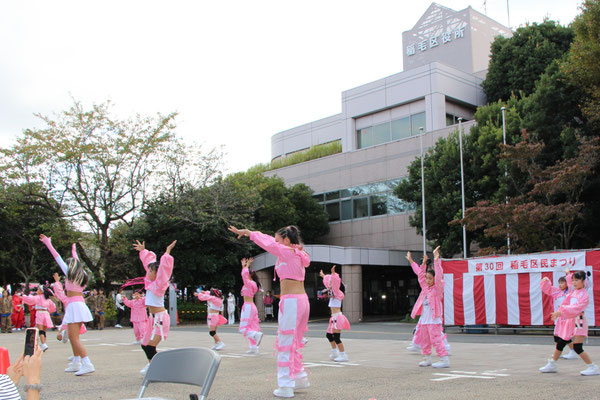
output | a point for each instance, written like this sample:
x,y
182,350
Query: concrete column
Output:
x,y
265,277
353,298
435,111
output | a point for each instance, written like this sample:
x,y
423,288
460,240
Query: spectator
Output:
x,y
31,367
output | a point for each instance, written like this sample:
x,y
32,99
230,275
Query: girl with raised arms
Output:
x,y
338,321
294,307
214,306
156,283
249,322
76,312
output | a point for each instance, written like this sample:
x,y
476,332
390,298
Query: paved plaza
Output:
x,y
482,366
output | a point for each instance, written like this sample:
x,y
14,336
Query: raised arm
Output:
x,y
268,243
47,241
127,302
203,296
573,310
165,270
550,290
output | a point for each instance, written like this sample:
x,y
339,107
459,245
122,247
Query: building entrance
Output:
x,y
389,292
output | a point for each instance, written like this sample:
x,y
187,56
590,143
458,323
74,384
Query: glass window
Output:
x,y
365,138
400,128
449,119
332,195
346,209
361,207
396,205
333,209
417,121
381,133
345,193
318,197
378,205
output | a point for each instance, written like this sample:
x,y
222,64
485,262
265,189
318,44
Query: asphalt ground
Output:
x,y
482,366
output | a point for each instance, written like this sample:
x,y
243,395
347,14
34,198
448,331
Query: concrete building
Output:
x,y
446,55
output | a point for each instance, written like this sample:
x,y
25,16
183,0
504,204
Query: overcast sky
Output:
x,y
237,72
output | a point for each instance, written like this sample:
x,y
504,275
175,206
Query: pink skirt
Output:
x,y
42,317
338,322
215,320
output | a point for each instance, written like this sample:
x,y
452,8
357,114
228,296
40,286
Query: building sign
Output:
x,y
550,262
435,41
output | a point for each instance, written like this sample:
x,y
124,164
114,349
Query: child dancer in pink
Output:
x,y
139,316
294,307
43,307
63,334
156,283
249,322
214,306
338,321
76,313
429,306
414,344
574,326
559,294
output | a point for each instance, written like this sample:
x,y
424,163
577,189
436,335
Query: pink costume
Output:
x,y
157,324
249,322
76,310
214,303
559,297
42,306
294,309
571,310
337,321
139,316
429,306
60,294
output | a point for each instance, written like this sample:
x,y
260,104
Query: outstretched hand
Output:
x,y
246,262
333,270
139,246
239,232
555,315
436,253
321,274
42,237
409,257
170,247
56,277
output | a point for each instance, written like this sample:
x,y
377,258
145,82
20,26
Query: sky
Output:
x,y
236,72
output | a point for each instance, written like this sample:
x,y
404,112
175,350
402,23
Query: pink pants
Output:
x,y
139,328
338,322
428,335
294,310
157,325
249,323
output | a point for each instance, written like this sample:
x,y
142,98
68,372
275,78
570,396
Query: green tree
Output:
x,y
98,171
517,62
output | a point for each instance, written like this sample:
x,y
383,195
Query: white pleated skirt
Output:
x,y
76,312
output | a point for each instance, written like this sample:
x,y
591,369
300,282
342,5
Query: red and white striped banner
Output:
x,y
477,292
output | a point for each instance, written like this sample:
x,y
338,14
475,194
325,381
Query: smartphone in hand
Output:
x,y
31,338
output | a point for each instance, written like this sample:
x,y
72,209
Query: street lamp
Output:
x,y
423,190
462,187
505,173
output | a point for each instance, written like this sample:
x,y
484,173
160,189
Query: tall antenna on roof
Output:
x,y
485,7
508,14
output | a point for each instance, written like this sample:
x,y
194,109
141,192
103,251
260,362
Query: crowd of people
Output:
x,y
151,320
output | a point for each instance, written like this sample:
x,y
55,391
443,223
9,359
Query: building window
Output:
x,y
388,131
363,201
453,119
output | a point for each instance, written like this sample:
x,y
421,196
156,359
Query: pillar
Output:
x,y
353,298
265,277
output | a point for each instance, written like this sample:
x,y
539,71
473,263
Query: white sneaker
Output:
x,y
304,341
341,358
86,368
137,342
284,392
571,355
550,367
118,326
592,369
71,358
252,352
334,354
73,367
301,383
443,363
144,370
426,362
219,346
414,347
214,347
65,336
258,337
44,346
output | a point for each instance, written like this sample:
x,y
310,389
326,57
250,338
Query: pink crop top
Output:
x,y
160,284
250,287
69,286
213,302
333,283
291,261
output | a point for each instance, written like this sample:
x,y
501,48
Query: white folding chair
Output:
x,y
190,365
